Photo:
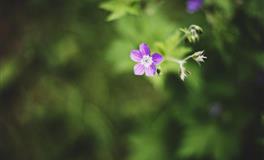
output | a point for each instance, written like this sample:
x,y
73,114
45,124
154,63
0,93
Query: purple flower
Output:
x,y
216,110
194,5
146,63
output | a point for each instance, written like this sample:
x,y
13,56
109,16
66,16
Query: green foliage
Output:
x,y
67,89
133,31
260,59
221,28
254,8
7,72
171,46
120,8
201,140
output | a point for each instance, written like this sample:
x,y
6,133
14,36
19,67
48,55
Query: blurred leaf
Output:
x,y
119,56
222,31
65,50
255,8
120,8
199,141
8,71
226,5
147,144
171,45
260,59
194,80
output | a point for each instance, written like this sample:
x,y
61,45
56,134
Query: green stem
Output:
x,y
187,58
180,41
172,59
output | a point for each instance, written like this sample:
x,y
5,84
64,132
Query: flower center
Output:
x,y
146,60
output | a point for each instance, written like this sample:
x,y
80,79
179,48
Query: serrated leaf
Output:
x,y
116,15
119,8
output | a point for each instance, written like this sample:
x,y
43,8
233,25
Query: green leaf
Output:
x,y
203,140
260,60
171,45
8,71
120,8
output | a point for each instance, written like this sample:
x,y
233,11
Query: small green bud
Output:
x,y
192,33
199,56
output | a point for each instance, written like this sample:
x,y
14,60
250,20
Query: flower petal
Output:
x,y
151,70
144,49
136,55
157,58
139,69
194,5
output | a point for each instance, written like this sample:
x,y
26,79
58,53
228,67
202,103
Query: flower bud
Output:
x,y
199,56
192,33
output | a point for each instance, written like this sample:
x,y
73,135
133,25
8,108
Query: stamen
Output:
x,y
146,60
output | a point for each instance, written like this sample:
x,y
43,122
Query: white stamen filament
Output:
x,y
146,60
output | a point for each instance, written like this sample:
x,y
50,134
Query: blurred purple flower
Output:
x,y
260,78
146,63
194,5
215,110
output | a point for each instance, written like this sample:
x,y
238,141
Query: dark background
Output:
x,y
67,89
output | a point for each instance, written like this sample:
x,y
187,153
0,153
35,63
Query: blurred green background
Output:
x,y
67,89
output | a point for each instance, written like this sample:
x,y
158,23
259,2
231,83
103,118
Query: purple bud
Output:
x,y
194,5
215,110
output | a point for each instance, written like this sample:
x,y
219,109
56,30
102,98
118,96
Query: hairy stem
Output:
x,y
179,61
173,59
187,58
180,41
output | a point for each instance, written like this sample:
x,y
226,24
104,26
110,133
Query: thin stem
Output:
x,y
180,41
170,58
179,61
187,58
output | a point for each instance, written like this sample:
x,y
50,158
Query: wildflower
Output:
x,y
146,63
194,5
199,56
